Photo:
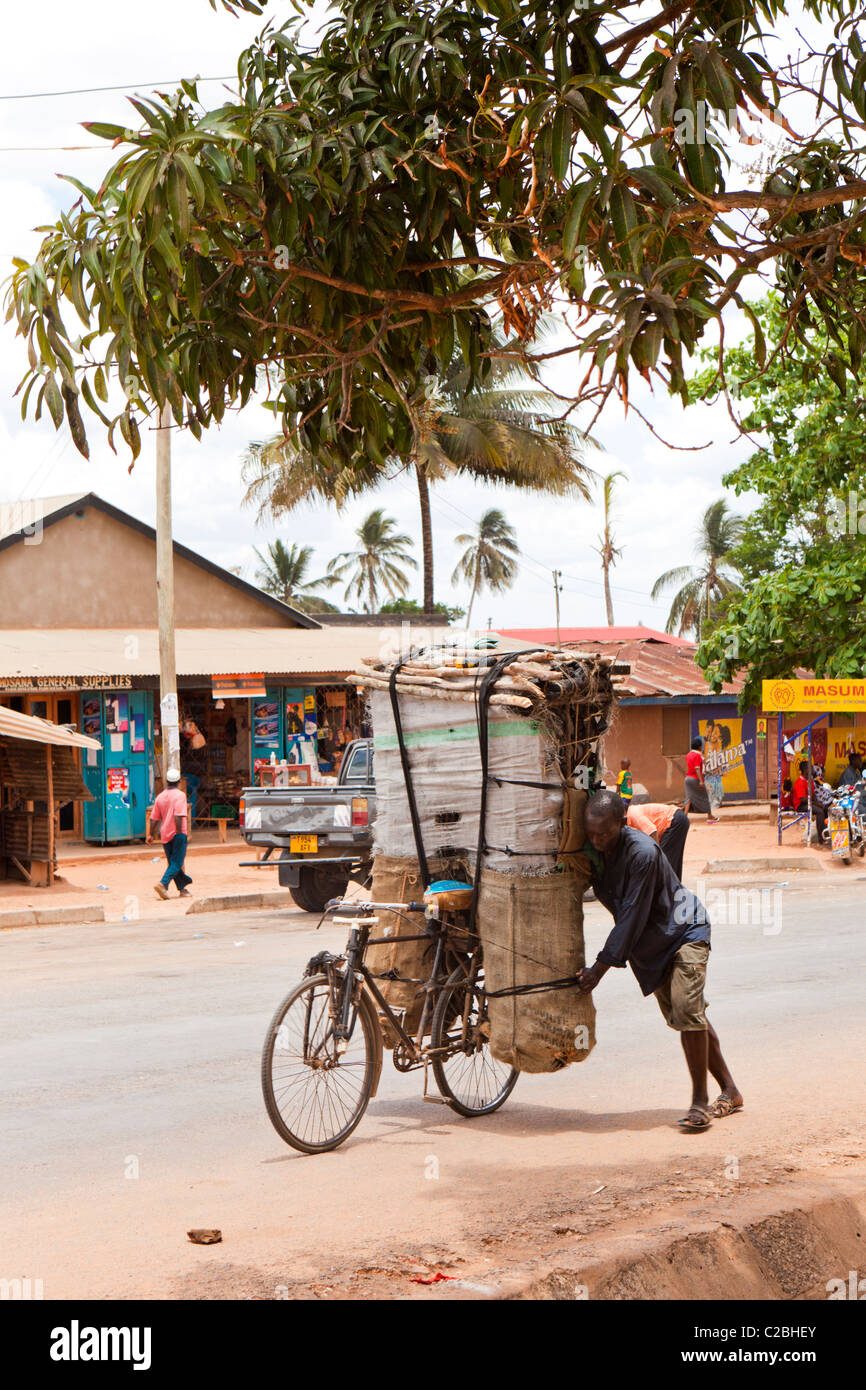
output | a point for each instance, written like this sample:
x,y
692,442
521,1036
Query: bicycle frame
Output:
x,y
359,940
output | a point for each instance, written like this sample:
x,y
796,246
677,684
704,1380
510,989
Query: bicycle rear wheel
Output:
x,y
314,1093
469,1077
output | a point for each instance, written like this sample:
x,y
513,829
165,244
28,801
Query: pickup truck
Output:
x,y
324,834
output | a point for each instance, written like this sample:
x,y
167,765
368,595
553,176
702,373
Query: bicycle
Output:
x,y
323,1052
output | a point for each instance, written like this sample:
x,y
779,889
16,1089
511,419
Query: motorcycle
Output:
x,y
845,827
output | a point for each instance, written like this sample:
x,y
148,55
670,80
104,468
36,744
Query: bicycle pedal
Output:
x,y
435,1100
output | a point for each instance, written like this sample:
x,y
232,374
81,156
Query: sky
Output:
x,y
97,43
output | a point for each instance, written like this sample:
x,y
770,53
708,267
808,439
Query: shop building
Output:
x,y
258,681
39,776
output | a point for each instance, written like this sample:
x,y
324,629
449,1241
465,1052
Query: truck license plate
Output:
x,y
302,844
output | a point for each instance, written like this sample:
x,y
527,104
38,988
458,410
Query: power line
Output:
x,y
121,87
48,149
539,567
534,565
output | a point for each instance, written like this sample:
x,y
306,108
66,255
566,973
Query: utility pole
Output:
x,y
165,597
557,576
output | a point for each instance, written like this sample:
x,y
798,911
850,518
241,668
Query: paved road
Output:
x,y
132,1112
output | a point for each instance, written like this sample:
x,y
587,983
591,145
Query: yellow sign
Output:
x,y
840,742
820,697
724,753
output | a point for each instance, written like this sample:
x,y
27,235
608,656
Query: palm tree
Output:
x,y
606,549
489,559
284,574
376,562
502,432
708,582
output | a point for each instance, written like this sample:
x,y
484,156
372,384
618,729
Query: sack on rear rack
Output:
x,y
398,880
532,930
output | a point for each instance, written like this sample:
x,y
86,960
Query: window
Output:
x,y
676,730
358,768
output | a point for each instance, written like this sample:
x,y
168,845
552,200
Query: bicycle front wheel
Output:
x,y
315,1088
468,1075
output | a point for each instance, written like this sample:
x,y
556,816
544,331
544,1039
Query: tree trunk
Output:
x,y
474,592
426,535
607,598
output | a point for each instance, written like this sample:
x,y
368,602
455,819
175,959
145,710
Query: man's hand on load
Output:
x,y
588,978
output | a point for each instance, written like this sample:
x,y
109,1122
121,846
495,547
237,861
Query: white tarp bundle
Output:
x,y
444,752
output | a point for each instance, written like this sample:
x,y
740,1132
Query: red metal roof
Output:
x,y
593,634
659,668
660,664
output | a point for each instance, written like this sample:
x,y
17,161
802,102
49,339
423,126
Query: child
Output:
x,y
787,799
624,783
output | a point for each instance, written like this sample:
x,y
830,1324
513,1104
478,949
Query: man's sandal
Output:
x,y
723,1106
699,1117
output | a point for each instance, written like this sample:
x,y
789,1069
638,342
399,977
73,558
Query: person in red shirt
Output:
x,y
169,809
696,792
786,801
801,789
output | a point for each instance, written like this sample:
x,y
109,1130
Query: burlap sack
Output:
x,y
398,880
532,930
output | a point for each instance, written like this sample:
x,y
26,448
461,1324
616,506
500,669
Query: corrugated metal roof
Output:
x,y
200,651
547,635
16,725
659,669
23,514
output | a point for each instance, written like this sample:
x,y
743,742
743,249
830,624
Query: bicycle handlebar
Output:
x,y
339,907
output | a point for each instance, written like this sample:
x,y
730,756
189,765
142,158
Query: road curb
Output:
x,y
51,916
784,864
233,902
787,1246
145,852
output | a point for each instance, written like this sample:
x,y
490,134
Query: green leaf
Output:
x,y
54,400
573,227
561,147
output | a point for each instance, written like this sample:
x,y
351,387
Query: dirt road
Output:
x,y
129,1089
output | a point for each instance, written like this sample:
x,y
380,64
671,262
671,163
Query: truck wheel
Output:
x,y
317,885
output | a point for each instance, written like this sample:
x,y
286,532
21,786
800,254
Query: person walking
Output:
x,y
662,931
169,809
665,824
695,789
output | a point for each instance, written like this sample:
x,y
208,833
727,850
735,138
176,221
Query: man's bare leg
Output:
x,y
696,1047
719,1068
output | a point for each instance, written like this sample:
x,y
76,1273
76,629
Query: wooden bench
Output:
x,y
220,821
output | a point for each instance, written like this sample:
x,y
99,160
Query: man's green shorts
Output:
x,y
681,993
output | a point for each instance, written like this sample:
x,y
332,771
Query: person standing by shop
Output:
x,y
822,797
695,788
169,809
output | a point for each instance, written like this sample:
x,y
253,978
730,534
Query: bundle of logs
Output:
x,y
532,682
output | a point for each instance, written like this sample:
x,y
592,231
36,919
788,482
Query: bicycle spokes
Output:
x,y
316,1083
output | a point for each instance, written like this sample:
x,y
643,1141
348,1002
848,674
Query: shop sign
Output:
x,y
238,687
12,685
822,697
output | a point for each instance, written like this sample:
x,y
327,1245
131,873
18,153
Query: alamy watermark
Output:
x,y
733,907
